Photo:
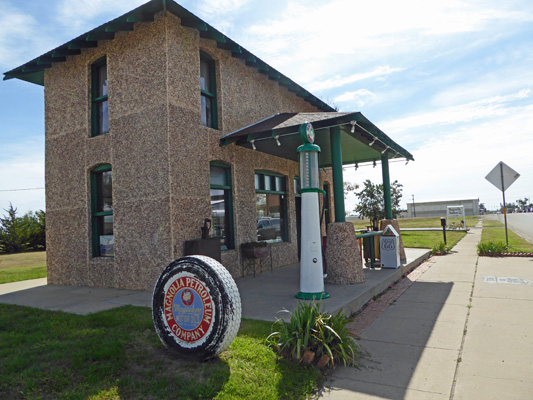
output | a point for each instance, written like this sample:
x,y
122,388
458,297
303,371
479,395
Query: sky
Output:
x,y
450,81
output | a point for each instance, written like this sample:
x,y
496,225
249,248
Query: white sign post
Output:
x,y
502,176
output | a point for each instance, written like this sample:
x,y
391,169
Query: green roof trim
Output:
x,y
33,71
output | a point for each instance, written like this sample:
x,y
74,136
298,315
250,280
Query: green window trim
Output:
x,y
229,226
98,101
95,213
260,178
209,93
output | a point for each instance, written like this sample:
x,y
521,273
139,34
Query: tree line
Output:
x,y
20,234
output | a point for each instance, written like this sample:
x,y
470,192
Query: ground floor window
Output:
x,y
103,242
271,207
221,205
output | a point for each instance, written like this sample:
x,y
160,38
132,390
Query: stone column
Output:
x,y
343,255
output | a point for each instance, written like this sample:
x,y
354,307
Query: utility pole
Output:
x,y
414,208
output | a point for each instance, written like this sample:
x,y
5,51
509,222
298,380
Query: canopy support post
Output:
x,y
336,166
386,186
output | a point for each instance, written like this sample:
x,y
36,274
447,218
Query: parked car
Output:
x,y
265,229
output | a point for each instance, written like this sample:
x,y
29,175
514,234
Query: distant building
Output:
x,y
438,208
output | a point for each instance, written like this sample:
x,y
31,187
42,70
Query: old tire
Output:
x,y
196,307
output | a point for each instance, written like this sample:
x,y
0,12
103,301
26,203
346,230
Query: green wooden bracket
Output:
x,y
81,45
35,67
140,17
119,27
63,52
191,23
263,68
213,35
273,75
95,36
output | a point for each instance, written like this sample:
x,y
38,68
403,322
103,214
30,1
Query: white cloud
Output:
x,y
359,97
221,7
78,16
338,81
310,40
19,36
486,108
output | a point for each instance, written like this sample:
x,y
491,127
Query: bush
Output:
x,y
440,249
491,248
324,335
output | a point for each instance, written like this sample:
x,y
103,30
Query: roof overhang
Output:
x,y
278,135
33,71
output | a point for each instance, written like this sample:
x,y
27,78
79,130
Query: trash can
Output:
x,y
390,248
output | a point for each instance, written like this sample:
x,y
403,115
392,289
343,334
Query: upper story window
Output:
x,y
221,204
103,242
99,109
208,91
271,207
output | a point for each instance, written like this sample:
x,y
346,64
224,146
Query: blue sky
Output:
x,y
451,81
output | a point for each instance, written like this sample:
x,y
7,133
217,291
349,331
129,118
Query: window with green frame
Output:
x,y
221,204
99,108
208,91
271,207
103,243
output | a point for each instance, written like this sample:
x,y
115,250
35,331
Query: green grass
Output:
x,y
22,266
432,222
116,354
426,240
494,231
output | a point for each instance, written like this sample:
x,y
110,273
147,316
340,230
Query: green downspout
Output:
x,y
386,186
336,166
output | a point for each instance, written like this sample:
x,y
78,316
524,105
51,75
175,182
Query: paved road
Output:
x,y
521,224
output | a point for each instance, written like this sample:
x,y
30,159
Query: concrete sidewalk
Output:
x,y
458,332
262,297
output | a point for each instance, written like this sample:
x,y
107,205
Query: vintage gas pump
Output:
x,y
311,269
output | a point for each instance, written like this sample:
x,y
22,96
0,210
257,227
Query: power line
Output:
x,y
19,190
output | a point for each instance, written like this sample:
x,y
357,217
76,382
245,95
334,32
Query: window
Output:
x,y
271,207
208,91
221,205
99,110
102,211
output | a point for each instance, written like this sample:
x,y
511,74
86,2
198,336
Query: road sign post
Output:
x,y
502,176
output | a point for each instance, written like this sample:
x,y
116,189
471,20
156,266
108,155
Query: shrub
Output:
x,y
310,330
440,248
491,248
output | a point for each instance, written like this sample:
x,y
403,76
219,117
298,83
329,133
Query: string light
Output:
x,y
253,144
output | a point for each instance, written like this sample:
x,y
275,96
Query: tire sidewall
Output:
x,y
208,272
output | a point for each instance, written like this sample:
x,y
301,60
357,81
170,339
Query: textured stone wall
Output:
x,y
159,153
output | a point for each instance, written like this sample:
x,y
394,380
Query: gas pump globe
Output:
x,y
311,268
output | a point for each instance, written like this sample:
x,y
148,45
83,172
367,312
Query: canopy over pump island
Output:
x,y
156,121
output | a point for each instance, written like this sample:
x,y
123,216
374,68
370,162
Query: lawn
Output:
x,y
116,354
22,266
494,231
425,239
432,222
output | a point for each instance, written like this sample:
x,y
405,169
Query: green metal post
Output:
x,y
336,166
386,186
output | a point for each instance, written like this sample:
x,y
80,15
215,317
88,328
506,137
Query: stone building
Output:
x,y
135,111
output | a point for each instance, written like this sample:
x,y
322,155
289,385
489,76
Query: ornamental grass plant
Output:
x,y
491,248
316,337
